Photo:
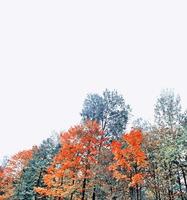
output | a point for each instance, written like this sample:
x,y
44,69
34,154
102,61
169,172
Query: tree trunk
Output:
x,y
137,193
180,187
170,186
83,189
94,193
71,197
184,177
131,192
140,190
156,190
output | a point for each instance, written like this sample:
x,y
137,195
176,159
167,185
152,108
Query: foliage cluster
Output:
x,y
99,159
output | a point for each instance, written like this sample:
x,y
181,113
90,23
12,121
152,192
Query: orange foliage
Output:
x,y
129,158
17,162
12,172
75,161
137,179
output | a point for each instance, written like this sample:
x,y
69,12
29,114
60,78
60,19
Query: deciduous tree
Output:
x,y
109,110
72,172
129,162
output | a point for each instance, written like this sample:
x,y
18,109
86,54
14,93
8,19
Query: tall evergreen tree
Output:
x,y
33,173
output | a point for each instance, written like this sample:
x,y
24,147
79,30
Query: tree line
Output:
x,y
99,160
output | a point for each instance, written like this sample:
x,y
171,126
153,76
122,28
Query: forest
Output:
x,y
100,159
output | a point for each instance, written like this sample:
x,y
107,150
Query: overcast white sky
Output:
x,y
52,53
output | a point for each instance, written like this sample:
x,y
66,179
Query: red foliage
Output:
x,y
129,158
75,161
12,172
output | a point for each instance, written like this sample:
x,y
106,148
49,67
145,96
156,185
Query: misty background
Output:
x,y
52,54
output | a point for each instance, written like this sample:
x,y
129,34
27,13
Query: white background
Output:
x,y
52,53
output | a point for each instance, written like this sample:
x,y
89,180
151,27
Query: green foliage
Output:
x,y
32,175
141,124
168,112
167,151
109,109
164,143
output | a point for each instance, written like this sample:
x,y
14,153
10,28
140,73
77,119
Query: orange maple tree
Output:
x,y
72,170
1,182
12,172
129,159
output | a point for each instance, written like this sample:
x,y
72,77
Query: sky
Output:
x,y
53,53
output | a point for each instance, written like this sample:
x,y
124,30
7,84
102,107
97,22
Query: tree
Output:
x,y
168,110
129,162
11,173
32,175
169,127
141,124
72,172
112,113
109,110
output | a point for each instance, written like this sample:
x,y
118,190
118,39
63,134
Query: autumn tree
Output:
x,y
72,172
112,113
129,163
11,173
94,160
2,183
